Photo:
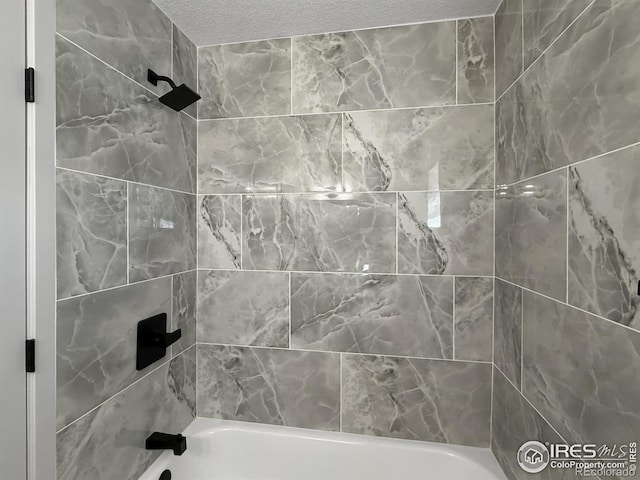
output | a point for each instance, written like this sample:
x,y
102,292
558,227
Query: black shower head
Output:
x,y
179,97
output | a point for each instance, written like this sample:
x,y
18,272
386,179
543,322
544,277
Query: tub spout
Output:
x,y
166,441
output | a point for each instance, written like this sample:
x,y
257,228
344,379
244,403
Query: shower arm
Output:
x,y
154,78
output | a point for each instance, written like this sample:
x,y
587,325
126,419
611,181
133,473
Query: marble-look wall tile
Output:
x,y
185,65
96,343
432,400
270,155
445,233
280,387
108,443
445,148
412,66
531,234
184,310
396,315
474,318
604,236
581,372
321,232
515,422
219,226
162,232
508,25
475,60
91,233
507,332
108,125
246,79
544,21
578,100
243,308
131,36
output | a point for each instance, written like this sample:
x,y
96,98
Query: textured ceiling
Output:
x,y
211,22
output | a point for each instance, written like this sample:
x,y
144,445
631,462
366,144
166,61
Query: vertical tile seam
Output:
x,y
457,68
567,238
454,320
291,74
341,409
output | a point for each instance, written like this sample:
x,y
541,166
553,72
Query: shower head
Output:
x,y
179,97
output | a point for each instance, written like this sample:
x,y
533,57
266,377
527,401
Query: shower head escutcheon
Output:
x,y
179,97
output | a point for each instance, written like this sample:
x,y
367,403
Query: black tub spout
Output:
x,y
166,441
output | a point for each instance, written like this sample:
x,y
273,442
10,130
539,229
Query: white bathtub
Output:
x,y
226,450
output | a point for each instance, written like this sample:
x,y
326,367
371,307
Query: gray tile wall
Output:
x,y
345,231
567,336
126,234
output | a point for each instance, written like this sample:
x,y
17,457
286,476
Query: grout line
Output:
x,y
521,389
571,165
291,74
290,309
457,69
128,232
545,51
146,280
100,175
334,352
338,112
569,305
382,27
568,182
341,391
453,317
308,272
163,364
338,193
530,404
397,233
491,407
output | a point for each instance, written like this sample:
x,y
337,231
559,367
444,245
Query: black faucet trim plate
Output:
x,y
153,340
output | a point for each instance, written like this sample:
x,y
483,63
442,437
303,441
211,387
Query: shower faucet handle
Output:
x,y
153,340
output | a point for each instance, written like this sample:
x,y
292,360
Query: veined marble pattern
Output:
x,y
219,226
320,232
578,100
130,36
515,422
431,400
185,65
531,234
475,60
162,232
280,387
184,309
507,331
271,155
108,125
544,21
243,308
508,25
445,148
108,443
399,315
410,66
96,343
91,233
581,372
246,79
604,236
445,233
474,318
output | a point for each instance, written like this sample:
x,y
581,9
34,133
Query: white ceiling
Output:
x,y
212,22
